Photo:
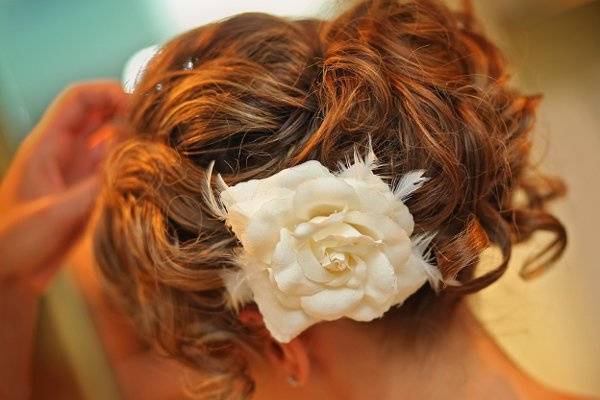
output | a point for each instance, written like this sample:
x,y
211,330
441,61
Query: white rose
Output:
x,y
319,246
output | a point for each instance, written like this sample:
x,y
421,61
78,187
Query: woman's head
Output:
x,y
257,94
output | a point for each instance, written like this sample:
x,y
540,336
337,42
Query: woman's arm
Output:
x,y
45,201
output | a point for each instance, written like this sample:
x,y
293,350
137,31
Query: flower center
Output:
x,y
335,261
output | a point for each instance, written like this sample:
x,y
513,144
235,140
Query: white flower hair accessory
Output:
x,y
319,246
316,245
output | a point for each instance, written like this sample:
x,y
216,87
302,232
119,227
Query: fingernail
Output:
x,y
101,136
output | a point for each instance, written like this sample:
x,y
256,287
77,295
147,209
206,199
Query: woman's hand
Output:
x,y
45,201
51,186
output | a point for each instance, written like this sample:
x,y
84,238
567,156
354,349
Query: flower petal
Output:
x,y
374,195
288,301
287,273
381,280
409,279
283,323
240,193
367,311
291,281
239,213
359,274
374,225
285,250
311,267
237,221
355,245
323,196
336,229
380,227
403,217
331,304
380,290
262,232
292,177
306,229
243,200
340,280
398,253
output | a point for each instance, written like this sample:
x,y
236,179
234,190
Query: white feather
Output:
x,y
238,291
410,182
360,167
422,250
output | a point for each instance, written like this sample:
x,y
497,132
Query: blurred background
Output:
x,y
550,326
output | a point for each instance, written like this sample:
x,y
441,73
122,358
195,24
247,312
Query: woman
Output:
x,y
254,98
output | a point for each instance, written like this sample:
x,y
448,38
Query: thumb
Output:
x,y
35,238
73,206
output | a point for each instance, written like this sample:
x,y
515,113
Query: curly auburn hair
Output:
x,y
257,94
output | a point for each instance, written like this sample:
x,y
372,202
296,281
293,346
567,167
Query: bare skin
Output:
x,y
45,202
347,360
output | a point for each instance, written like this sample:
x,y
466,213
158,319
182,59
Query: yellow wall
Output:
x,y
551,326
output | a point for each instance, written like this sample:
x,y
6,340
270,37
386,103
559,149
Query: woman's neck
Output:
x,y
466,363
463,362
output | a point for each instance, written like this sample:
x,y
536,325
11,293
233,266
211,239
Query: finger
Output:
x,y
73,206
77,112
89,103
98,93
99,144
83,158
34,239
78,123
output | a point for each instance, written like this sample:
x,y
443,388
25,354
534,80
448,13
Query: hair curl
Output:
x,y
266,93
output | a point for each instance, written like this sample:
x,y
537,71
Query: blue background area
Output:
x,y
40,54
